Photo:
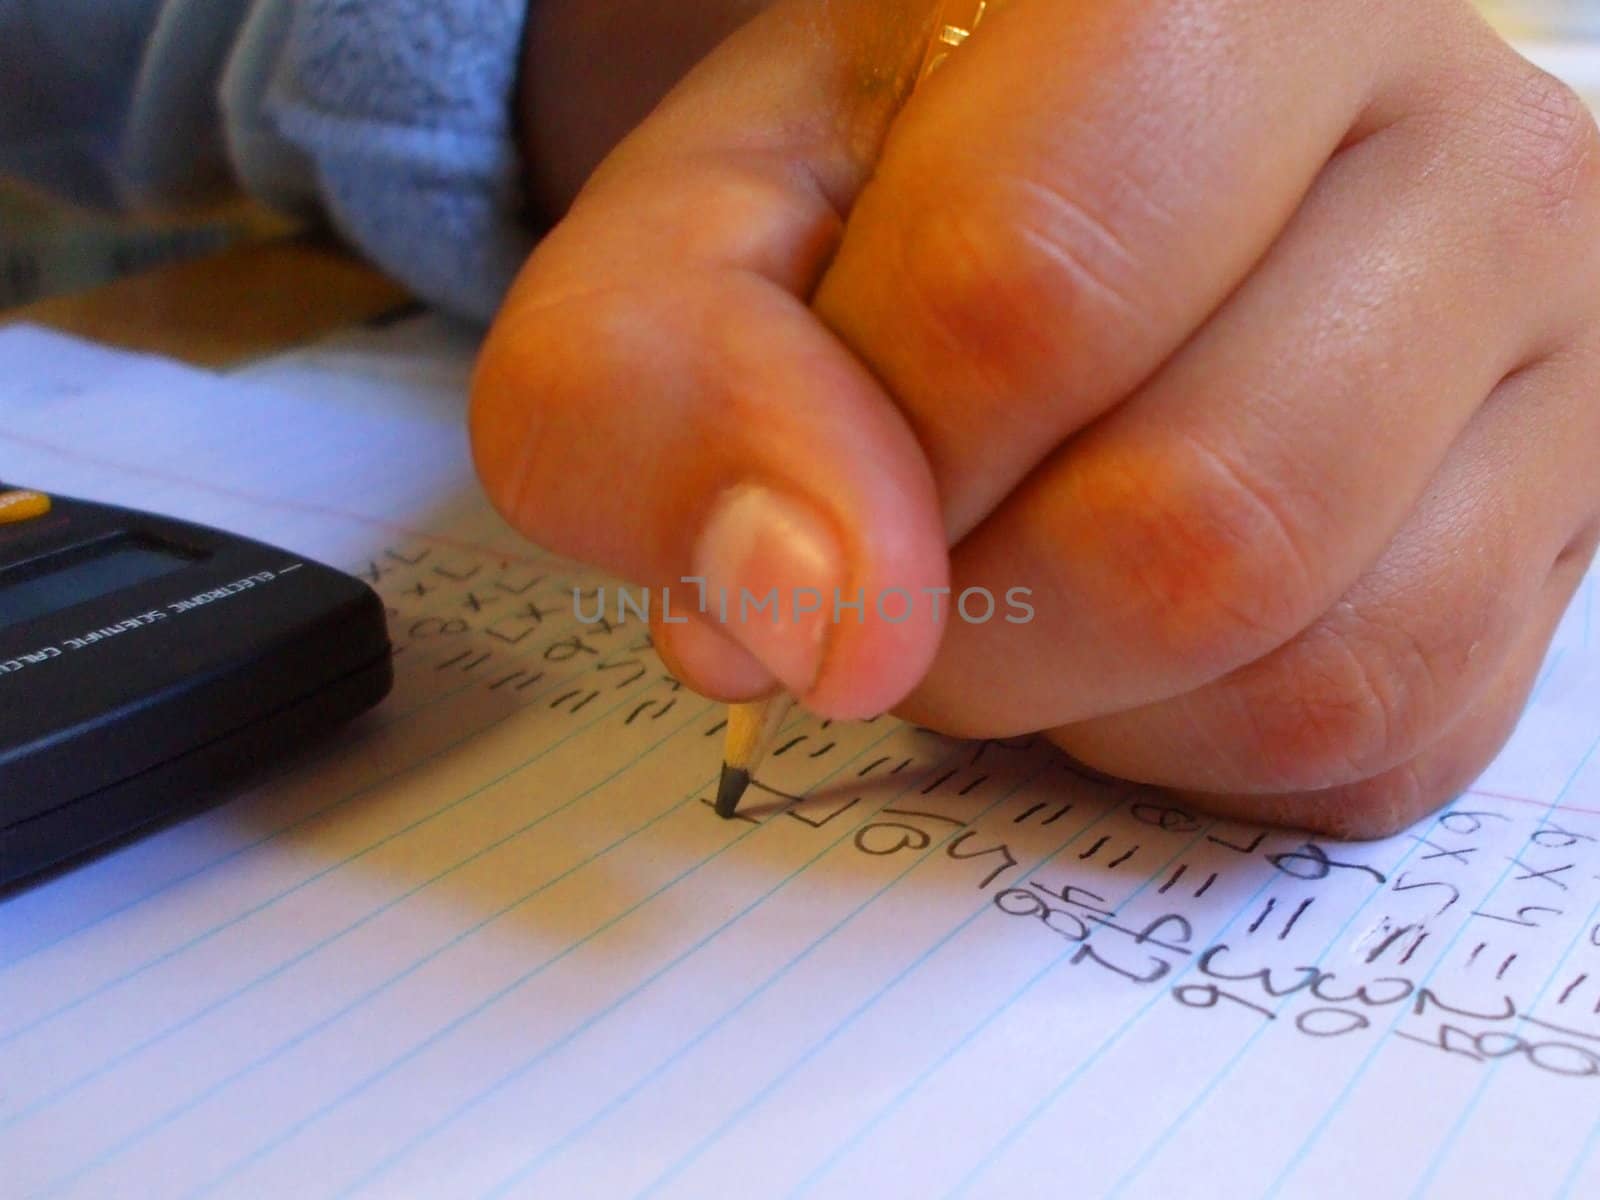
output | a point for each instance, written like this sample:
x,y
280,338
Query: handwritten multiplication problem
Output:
x,y
1446,946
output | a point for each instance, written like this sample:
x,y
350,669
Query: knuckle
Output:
x,y
1361,702
1011,266
1335,724
1205,564
1544,141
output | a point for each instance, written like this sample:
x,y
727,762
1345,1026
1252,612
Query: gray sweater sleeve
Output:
x,y
391,118
403,111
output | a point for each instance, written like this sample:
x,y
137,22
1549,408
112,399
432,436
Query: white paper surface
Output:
x,y
491,941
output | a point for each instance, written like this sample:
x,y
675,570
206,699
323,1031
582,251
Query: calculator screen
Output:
x,y
83,573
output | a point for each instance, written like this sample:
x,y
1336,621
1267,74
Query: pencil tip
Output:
x,y
731,790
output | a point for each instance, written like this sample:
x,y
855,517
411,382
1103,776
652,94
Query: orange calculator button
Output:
x,y
17,506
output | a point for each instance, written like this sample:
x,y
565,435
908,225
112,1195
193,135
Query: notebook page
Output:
x,y
491,941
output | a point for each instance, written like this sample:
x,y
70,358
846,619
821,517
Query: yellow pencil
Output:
x,y
751,730
753,727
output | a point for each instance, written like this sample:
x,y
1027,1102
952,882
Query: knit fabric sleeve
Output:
x,y
404,111
391,119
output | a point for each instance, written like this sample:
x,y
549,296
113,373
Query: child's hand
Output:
x,y
1260,340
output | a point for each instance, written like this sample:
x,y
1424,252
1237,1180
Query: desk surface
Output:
x,y
229,307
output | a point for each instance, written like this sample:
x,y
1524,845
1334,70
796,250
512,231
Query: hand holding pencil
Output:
x,y
753,726
1256,342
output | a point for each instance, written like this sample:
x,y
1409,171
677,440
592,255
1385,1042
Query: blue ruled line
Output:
x,y
1544,679
444,1031
1322,1123
544,1157
1150,1153
130,1052
860,1010
1077,1073
117,1149
1578,1163
872,1000
1460,1123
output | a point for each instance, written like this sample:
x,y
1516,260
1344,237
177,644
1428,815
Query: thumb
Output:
x,y
657,398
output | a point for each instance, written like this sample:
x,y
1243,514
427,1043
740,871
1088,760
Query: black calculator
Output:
x,y
146,663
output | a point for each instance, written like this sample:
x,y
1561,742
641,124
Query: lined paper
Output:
x,y
491,940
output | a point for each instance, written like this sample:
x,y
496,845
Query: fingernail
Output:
x,y
760,546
